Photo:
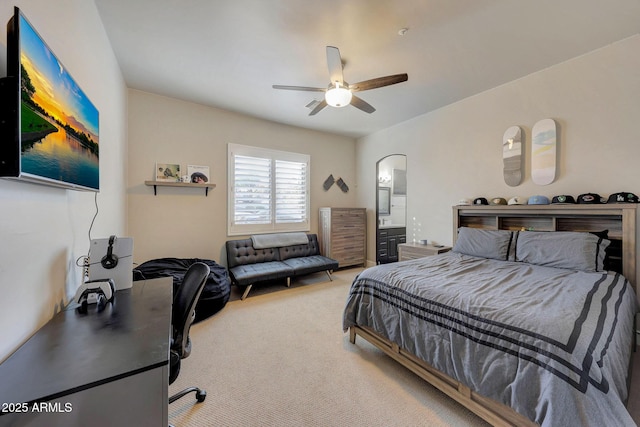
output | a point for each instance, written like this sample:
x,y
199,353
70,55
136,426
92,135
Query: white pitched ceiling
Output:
x,y
229,53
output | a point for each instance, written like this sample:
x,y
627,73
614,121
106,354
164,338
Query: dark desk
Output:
x,y
99,369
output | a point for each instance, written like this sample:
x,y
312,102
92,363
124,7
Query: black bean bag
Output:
x,y
215,293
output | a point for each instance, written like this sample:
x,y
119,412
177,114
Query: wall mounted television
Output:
x,y
49,128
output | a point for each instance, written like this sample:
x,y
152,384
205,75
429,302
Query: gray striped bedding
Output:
x,y
553,344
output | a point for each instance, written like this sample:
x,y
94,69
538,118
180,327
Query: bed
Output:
x,y
525,322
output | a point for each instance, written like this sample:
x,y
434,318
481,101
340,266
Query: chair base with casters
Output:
x,y
200,394
182,316
175,370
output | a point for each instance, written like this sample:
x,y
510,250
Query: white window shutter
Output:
x,y
291,192
268,190
252,190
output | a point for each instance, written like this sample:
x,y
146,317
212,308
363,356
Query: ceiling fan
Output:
x,y
340,93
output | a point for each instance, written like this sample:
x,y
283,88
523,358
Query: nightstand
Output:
x,y
416,250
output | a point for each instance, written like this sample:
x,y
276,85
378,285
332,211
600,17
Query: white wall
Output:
x,y
455,152
45,229
183,223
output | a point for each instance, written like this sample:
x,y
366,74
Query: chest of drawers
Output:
x,y
342,234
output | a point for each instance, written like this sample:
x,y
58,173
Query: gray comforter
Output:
x,y
553,344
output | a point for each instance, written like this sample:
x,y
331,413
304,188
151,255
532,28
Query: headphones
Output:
x,y
110,260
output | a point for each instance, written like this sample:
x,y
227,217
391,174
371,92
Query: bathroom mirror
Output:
x,y
384,201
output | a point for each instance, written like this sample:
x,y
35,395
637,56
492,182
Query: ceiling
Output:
x,y
229,53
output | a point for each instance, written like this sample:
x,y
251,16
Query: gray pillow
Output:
x,y
494,244
562,249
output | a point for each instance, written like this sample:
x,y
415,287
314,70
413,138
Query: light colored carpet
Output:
x,y
280,358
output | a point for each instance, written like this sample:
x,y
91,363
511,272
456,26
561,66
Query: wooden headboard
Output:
x,y
619,219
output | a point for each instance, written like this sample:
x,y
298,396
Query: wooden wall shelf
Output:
x,y
156,184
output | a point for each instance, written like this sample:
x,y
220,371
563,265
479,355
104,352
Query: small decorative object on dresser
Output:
x,y
342,235
408,251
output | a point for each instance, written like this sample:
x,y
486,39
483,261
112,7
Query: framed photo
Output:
x,y
167,172
198,174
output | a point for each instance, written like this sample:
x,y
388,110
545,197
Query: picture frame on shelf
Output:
x,y
167,172
198,174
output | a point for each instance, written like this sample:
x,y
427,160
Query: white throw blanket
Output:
x,y
278,240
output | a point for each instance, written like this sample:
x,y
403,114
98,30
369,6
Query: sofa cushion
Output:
x,y
250,273
295,251
311,264
242,252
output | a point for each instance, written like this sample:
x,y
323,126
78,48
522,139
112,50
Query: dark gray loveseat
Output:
x,y
249,266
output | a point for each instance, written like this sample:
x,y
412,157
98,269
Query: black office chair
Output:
x,y
183,313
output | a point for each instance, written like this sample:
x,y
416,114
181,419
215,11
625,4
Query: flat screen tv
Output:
x,y
49,128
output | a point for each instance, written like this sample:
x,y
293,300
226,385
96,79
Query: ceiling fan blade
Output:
x,y
319,107
379,82
313,104
304,88
362,105
334,62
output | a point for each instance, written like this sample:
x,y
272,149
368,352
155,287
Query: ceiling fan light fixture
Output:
x,y
339,93
338,96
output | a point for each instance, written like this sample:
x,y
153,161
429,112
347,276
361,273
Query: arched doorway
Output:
x,y
391,206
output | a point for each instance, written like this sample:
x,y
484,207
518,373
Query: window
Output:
x,y
268,191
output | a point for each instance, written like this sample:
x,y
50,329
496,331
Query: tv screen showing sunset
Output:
x,y
59,125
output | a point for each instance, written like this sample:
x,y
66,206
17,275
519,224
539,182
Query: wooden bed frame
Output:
x,y
619,219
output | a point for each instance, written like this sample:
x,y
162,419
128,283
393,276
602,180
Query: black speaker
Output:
x,y
110,260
